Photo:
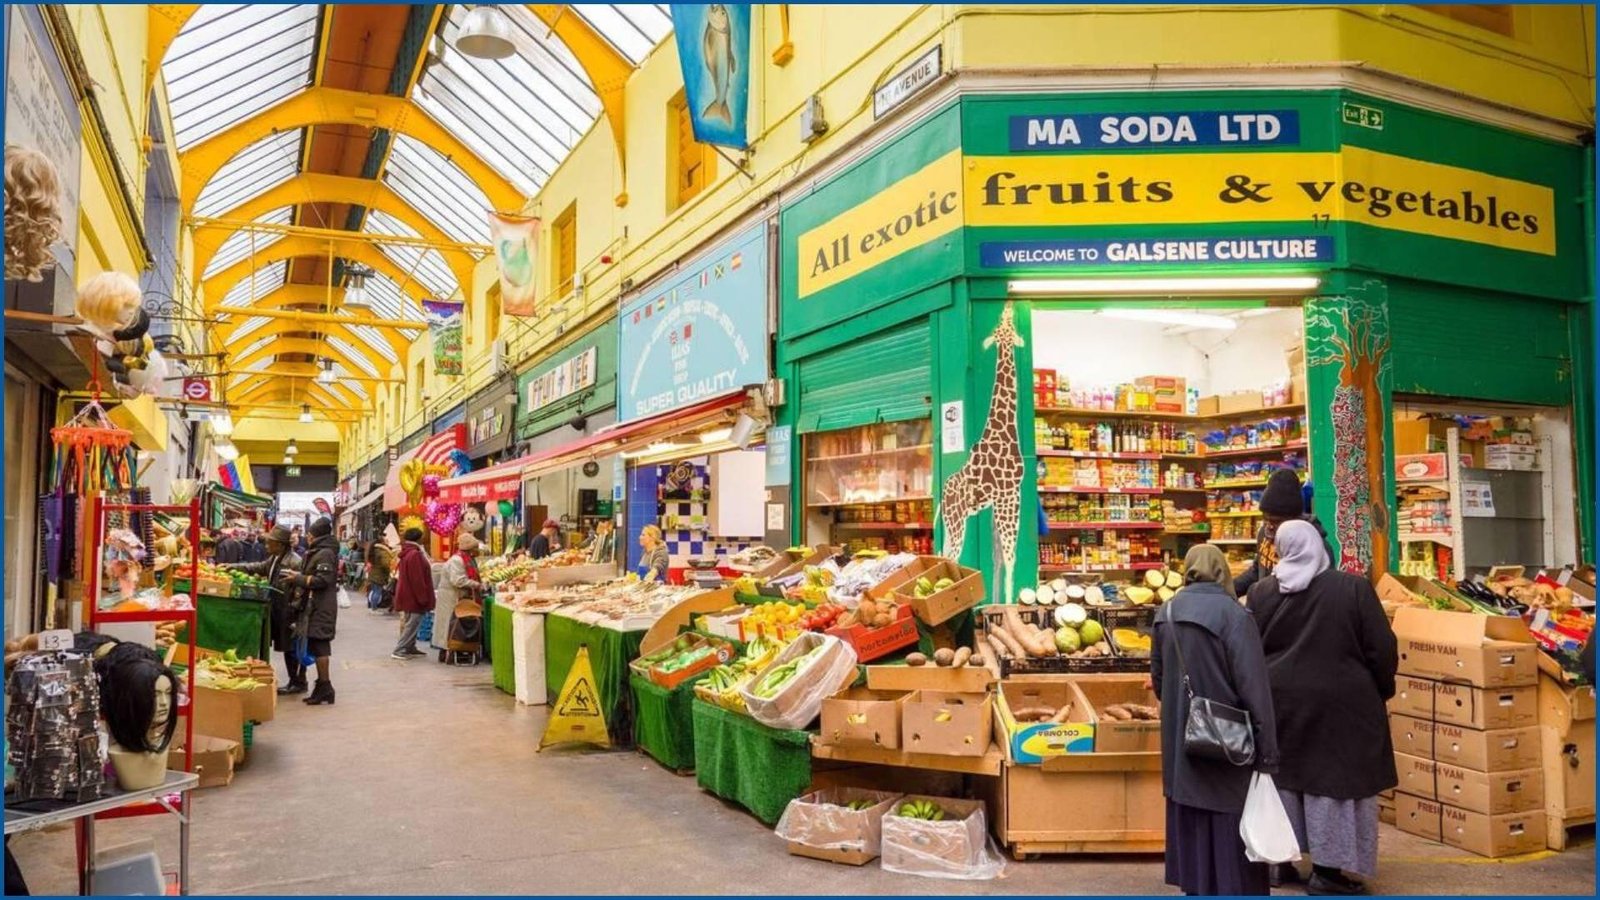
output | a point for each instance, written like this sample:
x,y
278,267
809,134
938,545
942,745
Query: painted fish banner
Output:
x,y
516,250
714,51
444,323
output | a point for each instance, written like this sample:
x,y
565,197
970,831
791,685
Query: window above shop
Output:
x,y
691,164
564,248
232,61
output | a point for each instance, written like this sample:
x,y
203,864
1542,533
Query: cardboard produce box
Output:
x,y
1208,406
1238,402
1485,792
821,825
1502,750
219,714
946,724
863,717
259,705
1484,651
1470,707
965,680
1396,591
818,554
966,592
1568,762
1492,836
1561,706
1168,394
1116,808
956,844
1030,743
213,759
1113,734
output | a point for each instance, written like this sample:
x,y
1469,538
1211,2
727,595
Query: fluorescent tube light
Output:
x,y
1077,287
716,435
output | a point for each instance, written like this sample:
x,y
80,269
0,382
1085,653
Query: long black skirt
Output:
x,y
1205,855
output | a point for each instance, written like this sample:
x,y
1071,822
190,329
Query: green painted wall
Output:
x,y
590,400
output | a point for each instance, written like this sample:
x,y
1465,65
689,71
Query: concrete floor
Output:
x,y
423,780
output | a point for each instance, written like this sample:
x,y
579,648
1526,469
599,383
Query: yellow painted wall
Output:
x,y
841,53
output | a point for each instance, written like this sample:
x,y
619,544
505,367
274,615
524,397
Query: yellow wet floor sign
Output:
x,y
577,717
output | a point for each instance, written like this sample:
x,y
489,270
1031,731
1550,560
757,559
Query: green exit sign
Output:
x,y
1363,116
291,471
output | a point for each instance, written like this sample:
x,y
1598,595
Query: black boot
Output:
x,y
295,686
322,693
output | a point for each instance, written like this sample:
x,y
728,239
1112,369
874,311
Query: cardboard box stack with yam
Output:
x,y
1464,720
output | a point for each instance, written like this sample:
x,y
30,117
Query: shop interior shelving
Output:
x,y
871,486
1202,495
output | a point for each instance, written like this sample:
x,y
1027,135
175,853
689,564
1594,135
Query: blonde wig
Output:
x,y
109,301
33,213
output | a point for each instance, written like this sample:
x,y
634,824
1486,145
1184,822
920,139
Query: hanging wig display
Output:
x,y
52,731
130,680
92,455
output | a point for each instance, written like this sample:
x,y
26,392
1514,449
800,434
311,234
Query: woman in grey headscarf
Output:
x,y
1220,655
1331,659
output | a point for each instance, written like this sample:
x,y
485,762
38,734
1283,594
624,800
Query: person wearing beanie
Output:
x,y
320,612
547,541
1282,501
458,582
280,567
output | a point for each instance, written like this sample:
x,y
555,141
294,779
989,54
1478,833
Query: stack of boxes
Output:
x,y
1464,721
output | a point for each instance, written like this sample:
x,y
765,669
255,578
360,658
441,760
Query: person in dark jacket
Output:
x,y
413,593
229,550
280,568
1331,658
1282,500
1221,655
380,571
320,613
547,541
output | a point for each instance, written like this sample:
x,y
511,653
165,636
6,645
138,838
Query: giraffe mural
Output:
x,y
992,474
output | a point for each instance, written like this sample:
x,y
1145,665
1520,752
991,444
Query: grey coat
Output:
x,y
284,597
1222,656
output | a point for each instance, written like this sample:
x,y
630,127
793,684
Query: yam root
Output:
x,y
1006,642
1118,712
916,659
1027,638
944,656
962,657
1061,714
1034,714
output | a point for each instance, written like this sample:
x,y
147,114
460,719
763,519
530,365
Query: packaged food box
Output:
x,y
1484,651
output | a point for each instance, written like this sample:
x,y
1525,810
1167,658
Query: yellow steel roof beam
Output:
x,y
166,20
310,348
318,395
217,286
607,69
333,106
309,370
236,316
395,340
291,295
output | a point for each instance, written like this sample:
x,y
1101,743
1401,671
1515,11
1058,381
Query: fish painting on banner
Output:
x,y
444,324
516,247
714,51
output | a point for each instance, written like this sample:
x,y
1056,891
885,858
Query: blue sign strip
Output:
x,y
1140,131
1229,251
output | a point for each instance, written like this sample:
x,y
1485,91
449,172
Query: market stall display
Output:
x,y
739,759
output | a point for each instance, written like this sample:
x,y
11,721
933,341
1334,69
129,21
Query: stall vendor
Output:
x,y
653,567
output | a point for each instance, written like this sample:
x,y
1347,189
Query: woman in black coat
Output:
x,y
1331,657
1221,655
320,584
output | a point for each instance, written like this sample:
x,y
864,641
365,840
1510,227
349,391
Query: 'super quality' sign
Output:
x,y
915,210
1351,185
701,334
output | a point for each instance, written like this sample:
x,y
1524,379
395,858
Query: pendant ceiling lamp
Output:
x,y
355,287
305,413
325,374
486,34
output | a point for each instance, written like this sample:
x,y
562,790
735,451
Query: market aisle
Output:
x,y
423,779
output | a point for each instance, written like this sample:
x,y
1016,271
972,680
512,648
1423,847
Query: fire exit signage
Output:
x,y
1362,116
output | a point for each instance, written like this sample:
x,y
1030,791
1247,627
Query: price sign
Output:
x,y
60,639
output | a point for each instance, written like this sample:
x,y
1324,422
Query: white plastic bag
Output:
x,y
1265,827
800,700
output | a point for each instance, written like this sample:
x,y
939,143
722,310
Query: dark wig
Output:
x,y
128,675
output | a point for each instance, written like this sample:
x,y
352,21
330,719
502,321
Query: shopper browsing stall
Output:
x,y
1283,500
1220,659
414,595
319,615
380,563
1331,658
280,568
459,581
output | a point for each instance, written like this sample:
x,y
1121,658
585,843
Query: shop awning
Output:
x,y
238,499
372,497
630,436
502,482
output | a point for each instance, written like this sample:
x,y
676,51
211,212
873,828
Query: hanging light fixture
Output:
x,y
325,375
305,413
221,423
486,34
226,451
292,450
355,287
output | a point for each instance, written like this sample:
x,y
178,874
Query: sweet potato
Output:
x,y
944,656
962,657
1006,643
1026,637
1118,712
867,610
916,659
1061,714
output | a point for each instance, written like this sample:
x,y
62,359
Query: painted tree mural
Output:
x,y
1350,336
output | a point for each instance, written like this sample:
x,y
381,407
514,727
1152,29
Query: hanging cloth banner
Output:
x,y
516,245
444,324
577,717
714,50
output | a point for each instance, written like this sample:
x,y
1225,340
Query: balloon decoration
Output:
x,y
443,518
413,521
460,462
430,485
411,480
507,509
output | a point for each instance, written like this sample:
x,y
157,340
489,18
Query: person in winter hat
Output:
x,y
1282,501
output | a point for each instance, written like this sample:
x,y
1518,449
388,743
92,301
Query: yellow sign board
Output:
x,y
909,213
577,717
1352,185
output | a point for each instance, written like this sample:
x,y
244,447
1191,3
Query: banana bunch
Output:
x,y
926,810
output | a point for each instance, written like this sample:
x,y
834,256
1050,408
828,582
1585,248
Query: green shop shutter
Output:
x,y
884,378
1479,346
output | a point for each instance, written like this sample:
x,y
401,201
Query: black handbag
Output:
x,y
1214,730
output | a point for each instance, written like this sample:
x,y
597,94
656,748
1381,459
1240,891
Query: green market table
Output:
x,y
502,659
230,623
744,761
610,651
662,721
